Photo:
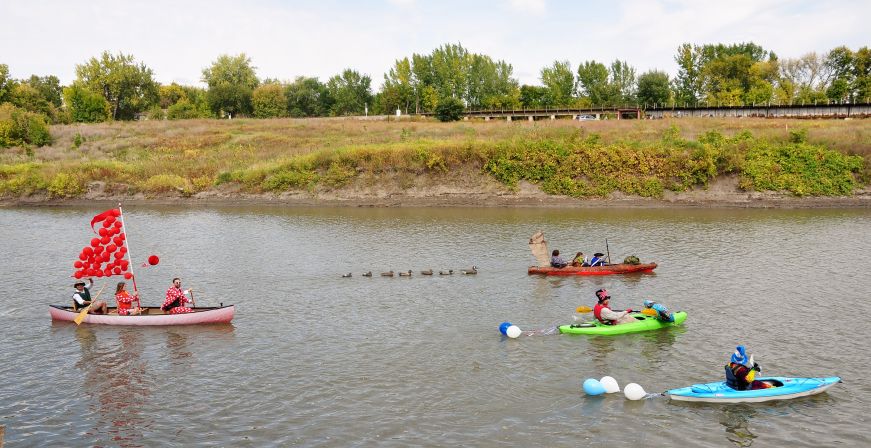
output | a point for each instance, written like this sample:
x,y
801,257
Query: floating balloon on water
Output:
x,y
503,327
153,260
610,384
592,386
513,331
634,391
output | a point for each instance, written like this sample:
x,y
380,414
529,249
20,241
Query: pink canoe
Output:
x,y
149,316
598,270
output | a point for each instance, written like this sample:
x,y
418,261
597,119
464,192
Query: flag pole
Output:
x,y
129,255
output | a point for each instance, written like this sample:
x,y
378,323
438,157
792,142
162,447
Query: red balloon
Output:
x,y
102,231
118,255
118,241
106,223
78,274
108,272
111,248
116,271
82,256
99,273
124,264
110,219
95,242
115,212
105,257
117,224
122,236
88,250
153,260
123,250
128,275
105,240
77,264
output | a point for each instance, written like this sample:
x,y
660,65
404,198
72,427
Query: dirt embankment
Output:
x,y
460,189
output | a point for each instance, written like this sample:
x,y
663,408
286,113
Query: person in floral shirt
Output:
x,y
176,300
125,301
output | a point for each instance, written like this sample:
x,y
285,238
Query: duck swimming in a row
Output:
x,y
472,271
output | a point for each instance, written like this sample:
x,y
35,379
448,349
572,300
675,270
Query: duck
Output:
x,y
472,271
387,274
367,274
405,274
448,272
348,275
426,272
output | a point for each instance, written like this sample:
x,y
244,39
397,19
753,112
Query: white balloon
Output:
x,y
610,384
634,391
513,331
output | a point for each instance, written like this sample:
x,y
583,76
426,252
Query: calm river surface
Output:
x,y
313,359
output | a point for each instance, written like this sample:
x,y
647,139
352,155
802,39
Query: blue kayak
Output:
x,y
785,389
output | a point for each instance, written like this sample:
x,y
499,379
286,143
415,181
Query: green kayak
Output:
x,y
643,323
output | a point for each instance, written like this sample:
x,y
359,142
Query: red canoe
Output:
x,y
597,270
149,316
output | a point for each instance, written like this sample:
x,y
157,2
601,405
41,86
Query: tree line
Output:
x,y
445,81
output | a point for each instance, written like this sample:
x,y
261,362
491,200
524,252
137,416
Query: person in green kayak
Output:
x,y
741,371
604,314
662,313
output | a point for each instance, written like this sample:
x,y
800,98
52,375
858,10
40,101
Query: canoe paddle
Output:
x,y
645,311
78,320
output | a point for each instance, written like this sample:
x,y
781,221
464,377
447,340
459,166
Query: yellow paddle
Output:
x,y
586,309
78,320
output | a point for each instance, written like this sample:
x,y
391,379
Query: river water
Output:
x,y
313,359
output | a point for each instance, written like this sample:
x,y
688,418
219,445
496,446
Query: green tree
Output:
x,y
533,97
86,106
449,109
231,70
229,99
399,90
171,94
622,82
48,87
559,80
128,87
19,127
307,97
6,83
654,88
269,101
593,82
351,92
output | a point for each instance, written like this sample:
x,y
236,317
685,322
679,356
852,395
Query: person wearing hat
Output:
x,y
82,298
662,312
598,259
606,315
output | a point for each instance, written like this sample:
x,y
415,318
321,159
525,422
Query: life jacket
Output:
x,y
123,306
597,311
663,313
596,261
736,376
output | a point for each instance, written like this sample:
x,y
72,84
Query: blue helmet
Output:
x,y
648,303
740,355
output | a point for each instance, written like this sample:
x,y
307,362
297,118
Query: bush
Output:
x,y
183,110
19,127
632,259
269,101
85,106
449,109
163,183
65,186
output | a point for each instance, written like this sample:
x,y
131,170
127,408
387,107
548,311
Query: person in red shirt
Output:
x,y
176,300
125,301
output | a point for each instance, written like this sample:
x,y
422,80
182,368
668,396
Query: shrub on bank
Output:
x,y
19,127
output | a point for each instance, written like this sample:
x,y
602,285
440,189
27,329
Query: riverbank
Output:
x,y
636,163
722,193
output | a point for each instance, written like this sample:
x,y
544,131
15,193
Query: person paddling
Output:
x,y
604,314
662,313
598,259
82,298
176,300
741,372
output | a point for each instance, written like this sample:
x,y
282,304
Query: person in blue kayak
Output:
x,y
604,314
662,313
741,371
557,261
598,259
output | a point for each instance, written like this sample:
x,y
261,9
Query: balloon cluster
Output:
x,y
608,385
105,256
510,330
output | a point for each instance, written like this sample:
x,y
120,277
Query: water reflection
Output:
x,y
117,379
657,344
736,419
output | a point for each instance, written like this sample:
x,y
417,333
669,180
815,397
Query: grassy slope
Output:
x,y
580,159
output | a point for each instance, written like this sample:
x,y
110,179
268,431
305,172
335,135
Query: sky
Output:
x,y
286,39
